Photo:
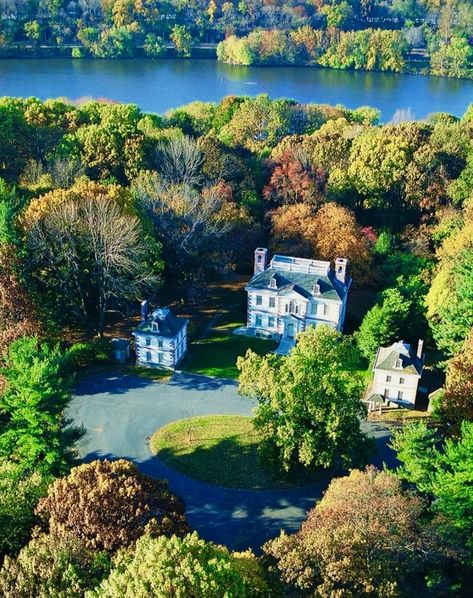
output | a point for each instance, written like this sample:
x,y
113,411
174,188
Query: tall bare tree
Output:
x,y
179,160
91,251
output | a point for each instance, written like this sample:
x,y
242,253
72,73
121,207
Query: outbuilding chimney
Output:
x,y
420,348
261,256
144,310
341,266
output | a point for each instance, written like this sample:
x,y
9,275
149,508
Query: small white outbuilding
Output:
x,y
160,338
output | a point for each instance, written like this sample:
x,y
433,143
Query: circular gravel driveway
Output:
x,y
119,413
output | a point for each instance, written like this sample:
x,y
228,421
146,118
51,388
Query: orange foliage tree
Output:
x,y
330,232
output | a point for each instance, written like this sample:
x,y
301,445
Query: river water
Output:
x,y
158,85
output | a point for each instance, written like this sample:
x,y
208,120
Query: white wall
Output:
x,y
166,352
409,388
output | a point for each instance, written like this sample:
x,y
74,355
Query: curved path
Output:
x,y
119,413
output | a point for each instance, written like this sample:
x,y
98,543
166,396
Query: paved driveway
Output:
x,y
119,413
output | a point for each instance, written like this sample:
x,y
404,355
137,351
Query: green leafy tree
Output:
x,y
154,46
308,405
454,320
36,393
182,40
383,322
49,566
443,474
415,447
33,30
106,505
339,15
20,491
180,567
452,58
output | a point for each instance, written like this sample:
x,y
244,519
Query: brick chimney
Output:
x,y
420,348
341,266
261,256
144,310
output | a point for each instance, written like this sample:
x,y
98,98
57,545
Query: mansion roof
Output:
x,y
162,322
308,278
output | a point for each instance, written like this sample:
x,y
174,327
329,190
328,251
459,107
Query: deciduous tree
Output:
x,y
308,405
109,504
49,566
180,567
364,538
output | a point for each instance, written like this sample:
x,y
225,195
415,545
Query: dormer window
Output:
x,y
273,283
154,327
316,289
398,364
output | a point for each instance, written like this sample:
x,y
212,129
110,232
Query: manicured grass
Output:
x,y
216,355
221,449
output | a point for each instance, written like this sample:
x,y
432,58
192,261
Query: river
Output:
x,y
158,85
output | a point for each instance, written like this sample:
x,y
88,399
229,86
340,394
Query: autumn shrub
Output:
x,y
50,567
364,538
181,568
109,504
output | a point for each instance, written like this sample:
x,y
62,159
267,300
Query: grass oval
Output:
x,y
220,449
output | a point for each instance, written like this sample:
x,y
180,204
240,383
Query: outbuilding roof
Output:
x,y
399,357
168,325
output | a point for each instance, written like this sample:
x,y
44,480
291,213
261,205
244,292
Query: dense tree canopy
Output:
x,y
37,390
52,566
308,406
363,538
181,567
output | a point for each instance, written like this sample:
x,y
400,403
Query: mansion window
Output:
x,y
326,309
388,378
259,300
148,355
293,308
401,380
399,395
313,309
148,341
271,322
272,302
386,393
258,321
160,344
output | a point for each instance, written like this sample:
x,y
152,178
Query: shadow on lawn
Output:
x,y
239,519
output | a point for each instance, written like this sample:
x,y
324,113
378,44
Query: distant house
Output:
x,y
291,294
397,371
160,338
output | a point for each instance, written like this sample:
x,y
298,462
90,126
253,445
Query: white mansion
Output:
x,y
160,338
291,294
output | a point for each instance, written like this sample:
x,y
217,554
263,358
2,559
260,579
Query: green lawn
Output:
x,y
221,449
217,353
